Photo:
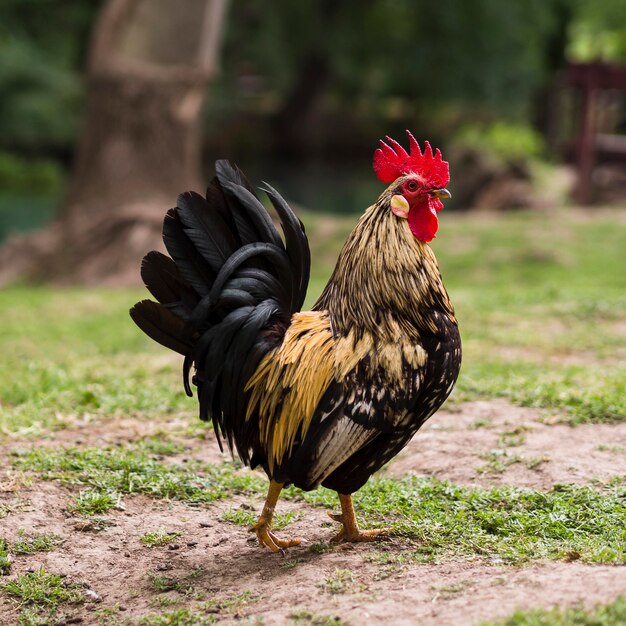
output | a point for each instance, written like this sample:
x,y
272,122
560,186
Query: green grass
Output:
x,y
17,503
128,471
5,557
94,524
497,461
42,589
441,519
340,581
132,471
160,537
74,354
613,614
181,617
505,523
583,393
25,545
308,618
38,542
204,613
90,502
231,603
247,517
540,298
611,448
161,445
169,583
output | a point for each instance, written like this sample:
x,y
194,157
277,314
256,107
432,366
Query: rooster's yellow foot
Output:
x,y
351,533
263,528
268,539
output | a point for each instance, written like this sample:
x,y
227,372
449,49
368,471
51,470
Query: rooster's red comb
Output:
x,y
391,160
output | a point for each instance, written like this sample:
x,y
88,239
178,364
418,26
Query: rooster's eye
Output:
x,y
411,185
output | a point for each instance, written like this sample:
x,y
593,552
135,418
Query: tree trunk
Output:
x,y
149,66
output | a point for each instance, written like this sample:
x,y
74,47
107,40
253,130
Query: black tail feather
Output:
x,y
296,243
255,214
240,350
163,280
226,295
266,250
188,260
260,283
160,324
206,229
230,178
226,171
216,199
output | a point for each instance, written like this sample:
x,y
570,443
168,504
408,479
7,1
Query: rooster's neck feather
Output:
x,y
385,278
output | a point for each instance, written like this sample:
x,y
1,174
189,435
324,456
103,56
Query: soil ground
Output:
x,y
478,443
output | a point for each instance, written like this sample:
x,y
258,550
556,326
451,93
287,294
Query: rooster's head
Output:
x,y
419,180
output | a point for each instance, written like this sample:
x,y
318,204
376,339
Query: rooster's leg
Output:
x,y
350,531
263,527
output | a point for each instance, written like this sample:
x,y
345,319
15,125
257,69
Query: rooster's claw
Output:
x,y
360,535
268,539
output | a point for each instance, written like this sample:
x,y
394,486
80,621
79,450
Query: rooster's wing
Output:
x,y
319,400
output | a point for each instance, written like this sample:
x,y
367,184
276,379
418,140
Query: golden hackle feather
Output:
x,y
382,273
290,381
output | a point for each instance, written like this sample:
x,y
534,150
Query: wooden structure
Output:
x,y
593,81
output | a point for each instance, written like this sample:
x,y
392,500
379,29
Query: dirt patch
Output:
x,y
219,560
215,560
491,442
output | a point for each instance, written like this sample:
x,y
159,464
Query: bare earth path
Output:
x,y
476,443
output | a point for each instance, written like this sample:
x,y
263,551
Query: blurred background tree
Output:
x,y
307,85
140,142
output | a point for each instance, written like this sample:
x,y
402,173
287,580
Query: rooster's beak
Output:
x,y
440,193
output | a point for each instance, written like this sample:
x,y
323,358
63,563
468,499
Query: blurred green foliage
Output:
x,y
21,212
392,57
599,31
30,188
40,97
22,175
501,140
436,65
399,57
42,50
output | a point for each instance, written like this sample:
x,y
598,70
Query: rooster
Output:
x,y
320,397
